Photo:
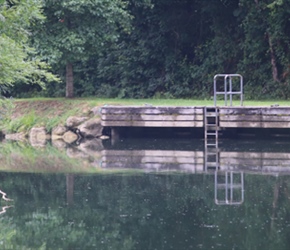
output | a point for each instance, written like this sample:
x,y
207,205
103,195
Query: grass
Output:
x,y
18,157
22,157
23,123
156,102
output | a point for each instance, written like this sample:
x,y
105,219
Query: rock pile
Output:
x,y
76,128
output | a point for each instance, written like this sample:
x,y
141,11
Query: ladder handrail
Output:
x,y
229,187
226,92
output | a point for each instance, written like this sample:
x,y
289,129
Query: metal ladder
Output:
x,y
211,130
229,191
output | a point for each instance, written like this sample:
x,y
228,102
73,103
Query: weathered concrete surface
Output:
x,y
228,117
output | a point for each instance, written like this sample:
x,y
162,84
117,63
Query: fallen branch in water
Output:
x,y
4,196
4,209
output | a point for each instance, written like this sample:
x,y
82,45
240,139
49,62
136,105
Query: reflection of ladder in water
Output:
x,y
211,129
229,188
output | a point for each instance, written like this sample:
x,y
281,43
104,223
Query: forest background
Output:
x,y
143,48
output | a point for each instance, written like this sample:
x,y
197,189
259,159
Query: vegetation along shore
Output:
x,y
21,116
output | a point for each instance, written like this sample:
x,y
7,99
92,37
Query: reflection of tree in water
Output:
x,y
4,197
146,211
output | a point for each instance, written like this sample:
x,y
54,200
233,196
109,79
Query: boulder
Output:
x,y
92,147
74,121
91,128
75,153
16,137
70,137
59,130
96,110
38,136
58,143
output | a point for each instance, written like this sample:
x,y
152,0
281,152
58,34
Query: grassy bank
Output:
x,y
22,114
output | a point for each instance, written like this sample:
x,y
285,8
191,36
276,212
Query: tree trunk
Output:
x,y
70,189
273,60
275,204
69,79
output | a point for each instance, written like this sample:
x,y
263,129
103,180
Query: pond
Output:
x,y
145,194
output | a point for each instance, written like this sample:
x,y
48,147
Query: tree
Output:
x,y
265,45
169,49
75,30
18,61
174,50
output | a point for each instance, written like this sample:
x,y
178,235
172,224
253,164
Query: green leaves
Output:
x,y
18,61
74,31
147,48
16,65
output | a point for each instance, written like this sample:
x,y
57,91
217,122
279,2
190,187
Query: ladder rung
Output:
x,y
211,115
211,158
212,164
212,140
213,167
212,153
211,143
215,161
211,134
218,131
211,126
211,122
207,133
229,186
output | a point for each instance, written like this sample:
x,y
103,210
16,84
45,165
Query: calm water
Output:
x,y
85,198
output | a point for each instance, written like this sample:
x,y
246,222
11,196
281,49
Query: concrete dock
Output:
x,y
225,117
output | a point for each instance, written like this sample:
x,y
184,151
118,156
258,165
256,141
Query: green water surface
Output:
x,y
91,209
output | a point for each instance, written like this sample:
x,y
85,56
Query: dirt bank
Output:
x,y
51,108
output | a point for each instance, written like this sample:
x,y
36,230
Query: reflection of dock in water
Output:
x,y
195,161
227,167
154,160
257,162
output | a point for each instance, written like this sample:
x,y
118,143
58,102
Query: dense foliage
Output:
x,y
19,61
165,48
